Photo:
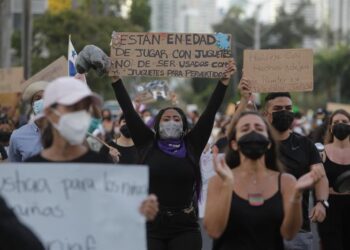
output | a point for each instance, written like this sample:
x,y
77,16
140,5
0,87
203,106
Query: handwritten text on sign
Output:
x,y
185,55
279,70
79,206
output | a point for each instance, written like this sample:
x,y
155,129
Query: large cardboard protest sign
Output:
x,y
10,79
185,55
333,106
79,206
279,70
54,70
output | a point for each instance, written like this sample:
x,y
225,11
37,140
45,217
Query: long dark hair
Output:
x,y
190,149
271,156
329,135
160,114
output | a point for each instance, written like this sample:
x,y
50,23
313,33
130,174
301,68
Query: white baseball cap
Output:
x,y
68,91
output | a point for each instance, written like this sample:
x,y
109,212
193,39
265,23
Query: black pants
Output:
x,y
178,231
334,231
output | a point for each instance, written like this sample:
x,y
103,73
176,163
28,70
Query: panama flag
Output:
x,y
72,55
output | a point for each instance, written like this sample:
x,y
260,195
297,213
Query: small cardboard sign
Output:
x,y
186,55
333,106
279,70
10,80
153,91
54,70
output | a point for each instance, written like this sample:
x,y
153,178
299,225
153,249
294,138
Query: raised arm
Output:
x,y
200,134
244,88
139,131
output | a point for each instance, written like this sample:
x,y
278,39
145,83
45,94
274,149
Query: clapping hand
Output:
x,y
221,168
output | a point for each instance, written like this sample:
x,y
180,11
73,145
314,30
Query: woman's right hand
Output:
x,y
221,168
115,154
114,78
244,88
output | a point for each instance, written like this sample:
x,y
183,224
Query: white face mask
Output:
x,y
73,126
170,129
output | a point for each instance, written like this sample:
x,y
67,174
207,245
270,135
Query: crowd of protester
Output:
x,y
259,198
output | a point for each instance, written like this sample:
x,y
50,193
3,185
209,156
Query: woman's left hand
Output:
x,y
310,179
229,71
149,207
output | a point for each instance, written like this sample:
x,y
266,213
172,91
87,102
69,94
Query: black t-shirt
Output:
x,y
128,155
298,153
88,157
13,234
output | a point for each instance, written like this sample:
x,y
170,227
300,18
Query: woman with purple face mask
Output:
x,y
172,152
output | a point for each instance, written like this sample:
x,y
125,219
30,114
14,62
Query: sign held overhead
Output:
x,y
279,70
186,55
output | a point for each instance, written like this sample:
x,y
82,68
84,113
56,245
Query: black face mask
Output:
x,y
282,120
253,145
5,136
341,131
125,131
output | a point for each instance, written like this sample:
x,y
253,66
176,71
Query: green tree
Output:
x,y
287,32
51,32
332,74
140,14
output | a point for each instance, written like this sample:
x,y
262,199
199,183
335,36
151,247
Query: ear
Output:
x,y
234,145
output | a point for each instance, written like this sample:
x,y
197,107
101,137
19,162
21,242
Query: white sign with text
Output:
x,y
79,206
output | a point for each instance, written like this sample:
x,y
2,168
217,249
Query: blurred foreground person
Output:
x,y
13,234
67,104
251,203
335,229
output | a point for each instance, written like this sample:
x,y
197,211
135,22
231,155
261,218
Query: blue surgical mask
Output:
x,y
95,122
38,106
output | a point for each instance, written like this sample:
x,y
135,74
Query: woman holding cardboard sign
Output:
x,y
172,152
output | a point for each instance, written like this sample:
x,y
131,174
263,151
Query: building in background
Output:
x,y
195,16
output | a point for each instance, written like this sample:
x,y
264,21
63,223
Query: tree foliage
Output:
x,y
50,39
287,32
140,14
332,67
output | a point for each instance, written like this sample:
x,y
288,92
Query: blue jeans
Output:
x,y
302,241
